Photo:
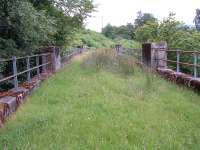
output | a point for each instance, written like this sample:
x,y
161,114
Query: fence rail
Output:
x,y
180,63
28,70
137,53
40,64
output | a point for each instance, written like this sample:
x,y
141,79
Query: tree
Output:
x,y
168,27
143,18
109,31
197,19
25,29
147,33
26,25
124,31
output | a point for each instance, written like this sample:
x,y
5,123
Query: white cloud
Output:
x,y
118,12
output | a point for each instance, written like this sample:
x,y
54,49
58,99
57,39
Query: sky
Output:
x,y
121,12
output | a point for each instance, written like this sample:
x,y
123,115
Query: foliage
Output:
x,y
175,33
167,28
97,40
86,109
143,18
128,44
29,24
32,28
197,19
147,33
122,32
93,39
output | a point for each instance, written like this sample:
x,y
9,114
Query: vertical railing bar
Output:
x,y
14,60
28,67
178,61
37,64
195,64
45,61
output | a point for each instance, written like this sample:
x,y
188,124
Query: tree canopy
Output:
x,y
124,31
143,18
197,19
26,25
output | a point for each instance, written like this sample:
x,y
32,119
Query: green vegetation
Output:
x,y
97,40
93,39
85,108
124,31
26,25
130,44
147,28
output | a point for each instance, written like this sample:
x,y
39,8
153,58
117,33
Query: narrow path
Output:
x,y
82,108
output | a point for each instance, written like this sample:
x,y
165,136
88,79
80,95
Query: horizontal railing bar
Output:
x,y
46,54
31,69
20,73
181,51
181,63
18,58
5,60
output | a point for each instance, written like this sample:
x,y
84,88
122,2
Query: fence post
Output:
x,y
44,61
37,64
195,64
177,61
53,59
14,60
28,67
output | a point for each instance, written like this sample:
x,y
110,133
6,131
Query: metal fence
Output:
x,y
191,55
36,63
41,61
191,61
136,53
70,53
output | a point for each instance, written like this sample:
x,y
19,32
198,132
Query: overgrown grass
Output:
x,y
109,60
84,108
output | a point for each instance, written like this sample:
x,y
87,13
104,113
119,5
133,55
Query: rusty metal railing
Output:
x,y
28,70
180,63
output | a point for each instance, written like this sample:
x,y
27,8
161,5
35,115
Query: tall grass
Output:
x,y
109,60
82,108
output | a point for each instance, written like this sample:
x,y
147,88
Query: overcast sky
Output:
x,y
120,12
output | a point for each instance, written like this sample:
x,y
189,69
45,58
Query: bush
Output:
x,y
93,40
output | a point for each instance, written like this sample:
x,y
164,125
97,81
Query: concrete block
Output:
x,y
9,105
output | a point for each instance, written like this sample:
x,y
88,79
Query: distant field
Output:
x,y
85,108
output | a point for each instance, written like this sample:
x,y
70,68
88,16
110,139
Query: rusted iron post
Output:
x,y
195,64
28,68
14,60
178,61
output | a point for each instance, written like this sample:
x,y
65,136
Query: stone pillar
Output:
x,y
154,55
119,48
146,54
55,58
159,55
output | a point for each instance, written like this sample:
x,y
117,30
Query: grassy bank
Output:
x,y
95,40
85,108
